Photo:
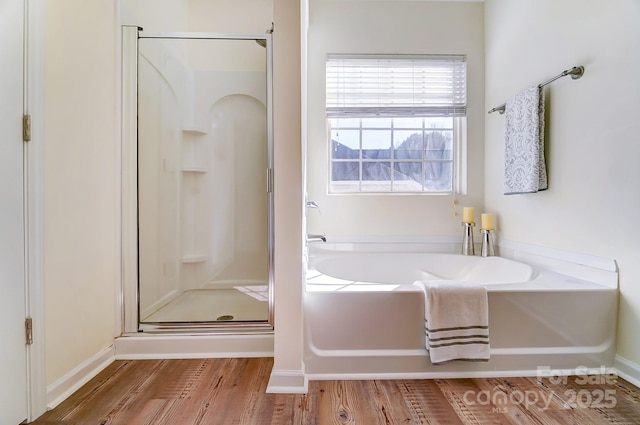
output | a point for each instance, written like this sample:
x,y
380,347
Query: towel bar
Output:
x,y
575,72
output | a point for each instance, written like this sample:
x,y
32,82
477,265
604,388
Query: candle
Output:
x,y
487,222
467,215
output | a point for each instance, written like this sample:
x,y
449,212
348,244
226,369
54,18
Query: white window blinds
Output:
x,y
396,85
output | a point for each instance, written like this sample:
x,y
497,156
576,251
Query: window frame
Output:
x,y
457,159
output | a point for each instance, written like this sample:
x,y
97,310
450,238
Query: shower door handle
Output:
x,y
269,180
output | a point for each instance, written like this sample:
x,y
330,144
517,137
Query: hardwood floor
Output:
x,y
232,391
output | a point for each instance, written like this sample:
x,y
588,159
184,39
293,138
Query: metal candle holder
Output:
x,y
487,243
467,239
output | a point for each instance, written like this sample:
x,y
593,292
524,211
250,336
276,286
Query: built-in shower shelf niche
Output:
x,y
195,150
195,129
194,169
192,259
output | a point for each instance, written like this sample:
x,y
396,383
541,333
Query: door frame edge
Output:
x,y
34,205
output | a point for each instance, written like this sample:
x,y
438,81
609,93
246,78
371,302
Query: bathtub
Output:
x,y
364,317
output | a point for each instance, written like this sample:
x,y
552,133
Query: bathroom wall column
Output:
x,y
287,375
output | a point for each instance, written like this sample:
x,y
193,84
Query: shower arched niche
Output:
x,y
201,169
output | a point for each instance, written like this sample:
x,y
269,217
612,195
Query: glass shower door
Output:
x,y
204,201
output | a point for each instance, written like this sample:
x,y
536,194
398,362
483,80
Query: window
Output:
x,y
396,123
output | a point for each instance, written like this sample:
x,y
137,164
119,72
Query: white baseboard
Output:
x,y
155,346
59,390
288,382
627,370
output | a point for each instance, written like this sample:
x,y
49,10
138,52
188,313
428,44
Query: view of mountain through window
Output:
x,y
392,154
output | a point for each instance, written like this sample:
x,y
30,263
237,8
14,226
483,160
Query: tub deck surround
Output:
x,y
394,272
364,317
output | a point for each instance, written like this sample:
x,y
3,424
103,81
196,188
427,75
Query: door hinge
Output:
x,y
26,128
28,327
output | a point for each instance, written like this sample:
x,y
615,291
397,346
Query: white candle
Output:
x,y
467,215
487,222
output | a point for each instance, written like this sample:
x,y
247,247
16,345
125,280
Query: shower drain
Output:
x,y
225,317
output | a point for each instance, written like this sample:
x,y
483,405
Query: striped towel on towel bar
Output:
x,y
456,321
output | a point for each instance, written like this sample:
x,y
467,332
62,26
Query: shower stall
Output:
x,y
202,168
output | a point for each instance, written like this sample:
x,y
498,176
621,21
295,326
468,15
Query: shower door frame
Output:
x,y
129,293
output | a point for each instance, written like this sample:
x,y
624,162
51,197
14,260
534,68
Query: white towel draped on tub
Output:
x,y
456,321
524,165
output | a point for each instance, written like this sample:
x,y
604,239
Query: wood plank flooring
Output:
x,y
232,392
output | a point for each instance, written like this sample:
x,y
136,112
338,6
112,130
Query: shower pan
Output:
x,y
203,183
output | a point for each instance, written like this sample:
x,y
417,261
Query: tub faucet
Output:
x,y
316,238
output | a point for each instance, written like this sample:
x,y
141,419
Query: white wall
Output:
x,y
231,16
288,367
392,27
80,136
156,16
592,147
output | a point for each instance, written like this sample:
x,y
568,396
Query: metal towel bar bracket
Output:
x,y
575,72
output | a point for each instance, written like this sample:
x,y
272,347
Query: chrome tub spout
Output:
x,y
316,238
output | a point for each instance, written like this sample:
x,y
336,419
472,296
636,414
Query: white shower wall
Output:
x,y
160,180
203,222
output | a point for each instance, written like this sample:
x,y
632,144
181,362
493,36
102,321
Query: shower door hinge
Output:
x,y
26,128
28,327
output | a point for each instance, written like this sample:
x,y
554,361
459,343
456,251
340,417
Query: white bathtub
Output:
x,y
364,317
